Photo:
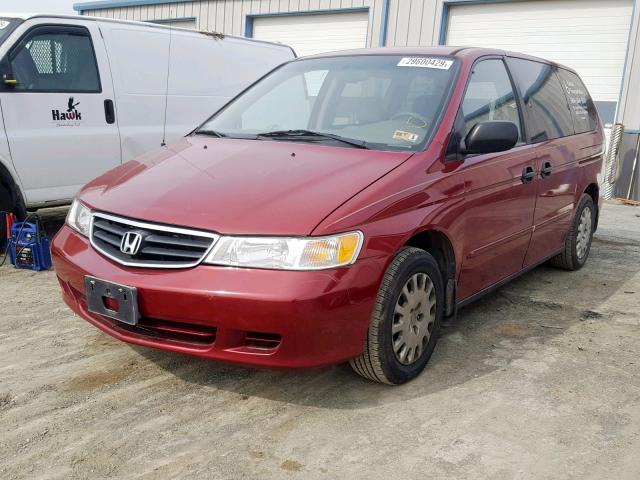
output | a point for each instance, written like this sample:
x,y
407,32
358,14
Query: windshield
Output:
x,y
8,25
386,102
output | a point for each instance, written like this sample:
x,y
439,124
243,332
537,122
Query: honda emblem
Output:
x,y
131,243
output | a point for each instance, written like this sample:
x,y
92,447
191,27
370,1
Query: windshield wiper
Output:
x,y
301,133
211,133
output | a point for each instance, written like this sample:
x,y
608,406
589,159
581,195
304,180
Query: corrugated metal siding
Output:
x,y
629,108
228,16
412,22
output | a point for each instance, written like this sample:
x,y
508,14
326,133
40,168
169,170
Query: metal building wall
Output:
x,y
409,22
229,16
629,114
413,22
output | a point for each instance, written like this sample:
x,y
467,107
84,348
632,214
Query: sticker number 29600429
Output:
x,y
426,62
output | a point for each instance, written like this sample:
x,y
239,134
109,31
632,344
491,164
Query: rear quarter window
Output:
x,y
547,114
581,106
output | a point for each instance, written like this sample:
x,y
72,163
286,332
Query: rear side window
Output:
x,y
489,96
582,107
547,113
55,59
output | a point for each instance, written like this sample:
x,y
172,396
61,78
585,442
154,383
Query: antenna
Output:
x,y
166,93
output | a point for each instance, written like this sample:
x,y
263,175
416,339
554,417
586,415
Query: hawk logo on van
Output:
x,y
72,113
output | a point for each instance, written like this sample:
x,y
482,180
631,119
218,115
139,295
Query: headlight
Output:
x,y
282,253
79,218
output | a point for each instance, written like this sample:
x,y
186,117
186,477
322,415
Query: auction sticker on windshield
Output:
x,y
426,62
408,136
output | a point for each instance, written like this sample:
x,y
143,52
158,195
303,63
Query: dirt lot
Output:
x,y
538,380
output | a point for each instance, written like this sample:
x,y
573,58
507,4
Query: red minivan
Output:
x,y
339,209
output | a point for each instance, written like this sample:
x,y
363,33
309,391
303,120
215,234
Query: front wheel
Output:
x,y
404,326
578,242
8,205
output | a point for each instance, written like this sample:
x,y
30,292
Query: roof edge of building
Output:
x,y
102,4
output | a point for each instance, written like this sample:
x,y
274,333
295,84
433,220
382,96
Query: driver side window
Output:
x,y
490,96
55,59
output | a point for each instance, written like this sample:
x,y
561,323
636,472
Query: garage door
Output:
x,y
310,34
587,35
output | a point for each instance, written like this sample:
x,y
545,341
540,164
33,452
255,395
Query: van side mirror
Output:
x,y
490,137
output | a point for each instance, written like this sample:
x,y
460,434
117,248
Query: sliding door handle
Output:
x,y
528,174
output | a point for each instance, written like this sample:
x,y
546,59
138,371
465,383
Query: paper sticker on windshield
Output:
x,y
426,62
406,136
3,24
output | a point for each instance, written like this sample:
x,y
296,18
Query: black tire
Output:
x,y
8,203
570,259
379,362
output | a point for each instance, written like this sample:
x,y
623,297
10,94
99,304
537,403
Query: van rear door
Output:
x,y
59,117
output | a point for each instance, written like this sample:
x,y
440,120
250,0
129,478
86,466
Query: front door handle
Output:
x,y
109,112
546,170
528,174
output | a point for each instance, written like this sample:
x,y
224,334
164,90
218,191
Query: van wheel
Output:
x,y
578,242
7,204
404,326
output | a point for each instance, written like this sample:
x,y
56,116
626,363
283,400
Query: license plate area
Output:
x,y
112,300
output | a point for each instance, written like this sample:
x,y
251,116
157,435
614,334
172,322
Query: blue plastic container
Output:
x,y
28,249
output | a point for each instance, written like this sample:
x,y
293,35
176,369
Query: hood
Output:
x,y
239,186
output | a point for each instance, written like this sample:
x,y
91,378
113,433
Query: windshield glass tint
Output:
x,y
389,102
8,25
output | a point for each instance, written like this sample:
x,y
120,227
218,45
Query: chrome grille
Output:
x,y
160,246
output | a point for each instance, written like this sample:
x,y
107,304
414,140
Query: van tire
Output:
x,y
6,204
570,259
6,200
10,201
379,362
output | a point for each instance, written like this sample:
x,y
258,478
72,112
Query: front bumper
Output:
x,y
248,316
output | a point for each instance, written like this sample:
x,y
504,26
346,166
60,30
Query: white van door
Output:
x,y
59,117
139,57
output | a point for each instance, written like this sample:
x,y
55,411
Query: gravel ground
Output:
x,y
540,380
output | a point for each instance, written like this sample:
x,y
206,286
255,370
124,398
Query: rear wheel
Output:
x,y
404,326
578,242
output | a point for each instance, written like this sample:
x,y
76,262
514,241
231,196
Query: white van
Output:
x,y
81,95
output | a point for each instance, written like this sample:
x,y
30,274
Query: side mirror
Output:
x,y
490,137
